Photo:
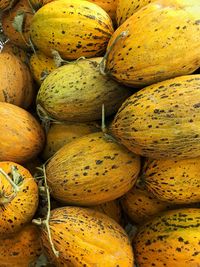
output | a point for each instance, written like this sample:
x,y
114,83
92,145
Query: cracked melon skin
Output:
x,y
76,29
76,92
156,44
162,120
170,239
85,237
91,170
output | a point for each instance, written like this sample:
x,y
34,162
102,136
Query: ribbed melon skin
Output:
x,y
153,44
170,239
76,29
162,120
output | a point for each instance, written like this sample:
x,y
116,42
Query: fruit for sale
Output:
x,y
72,28
60,134
91,170
126,8
174,181
18,197
21,136
162,120
21,249
76,92
85,237
149,46
170,239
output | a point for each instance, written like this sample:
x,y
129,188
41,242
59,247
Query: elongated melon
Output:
x,y
162,120
73,28
158,42
170,239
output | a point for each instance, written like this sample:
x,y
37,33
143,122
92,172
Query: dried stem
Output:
x,y
4,199
102,65
15,187
46,221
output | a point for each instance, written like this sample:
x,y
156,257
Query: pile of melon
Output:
x,y
99,133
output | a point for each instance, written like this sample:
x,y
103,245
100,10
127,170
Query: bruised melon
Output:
x,y
149,46
91,170
162,120
84,237
73,28
170,239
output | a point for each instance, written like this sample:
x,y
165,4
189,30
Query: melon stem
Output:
x,y
15,187
7,199
103,125
102,65
45,222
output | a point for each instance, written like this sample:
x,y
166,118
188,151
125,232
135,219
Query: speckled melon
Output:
x,y
175,181
8,18
108,5
41,65
21,249
15,80
170,239
60,134
126,8
85,237
162,120
76,28
149,46
9,47
16,83
76,92
18,197
111,208
21,136
141,205
91,170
